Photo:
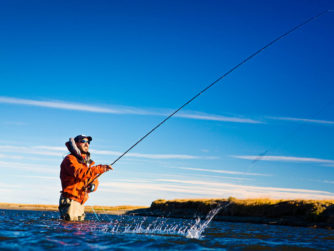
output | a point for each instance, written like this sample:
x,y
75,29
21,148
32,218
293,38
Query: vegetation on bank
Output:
x,y
312,209
263,210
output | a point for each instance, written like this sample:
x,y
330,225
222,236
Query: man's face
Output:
x,y
83,145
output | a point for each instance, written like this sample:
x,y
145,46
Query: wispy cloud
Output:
x,y
200,188
32,193
30,150
217,118
136,155
14,123
29,167
48,178
284,159
321,181
120,110
154,156
7,185
316,121
70,106
60,151
202,176
25,157
3,156
222,171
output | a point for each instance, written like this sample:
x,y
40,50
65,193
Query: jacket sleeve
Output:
x,y
82,172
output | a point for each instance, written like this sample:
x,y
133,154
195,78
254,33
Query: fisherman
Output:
x,y
77,171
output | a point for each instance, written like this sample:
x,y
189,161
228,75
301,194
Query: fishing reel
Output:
x,y
90,188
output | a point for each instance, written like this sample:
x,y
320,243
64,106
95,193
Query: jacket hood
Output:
x,y
74,150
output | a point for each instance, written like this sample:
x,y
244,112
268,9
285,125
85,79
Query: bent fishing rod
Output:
x,y
218,80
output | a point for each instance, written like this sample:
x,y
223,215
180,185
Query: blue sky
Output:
x,y
114,69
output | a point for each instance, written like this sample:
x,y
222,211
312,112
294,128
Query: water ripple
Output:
x,y
31,230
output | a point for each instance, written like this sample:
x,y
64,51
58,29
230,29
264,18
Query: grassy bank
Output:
x,y
285,212
311,209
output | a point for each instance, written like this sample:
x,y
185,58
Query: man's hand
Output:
x,y
108,168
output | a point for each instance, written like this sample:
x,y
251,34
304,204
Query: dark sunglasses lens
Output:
x,y
84,141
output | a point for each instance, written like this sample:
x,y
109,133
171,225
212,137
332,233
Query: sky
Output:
x,y
114,69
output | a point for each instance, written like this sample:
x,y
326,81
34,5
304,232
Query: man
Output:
x,y
77,171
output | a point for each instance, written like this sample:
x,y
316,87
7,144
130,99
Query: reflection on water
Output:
x,y
41,230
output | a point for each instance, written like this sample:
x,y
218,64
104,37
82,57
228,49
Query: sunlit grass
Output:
x,y
247,202
311,209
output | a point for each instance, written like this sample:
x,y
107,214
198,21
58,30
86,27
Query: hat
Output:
x,y
80,137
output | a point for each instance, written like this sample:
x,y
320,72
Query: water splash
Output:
x,y
195,232
188,228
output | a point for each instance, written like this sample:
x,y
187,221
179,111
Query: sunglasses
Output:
x,y
84,141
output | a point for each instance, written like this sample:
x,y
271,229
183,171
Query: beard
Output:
x,y
82,150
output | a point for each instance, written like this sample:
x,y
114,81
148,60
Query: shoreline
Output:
x,y
301,213
114,210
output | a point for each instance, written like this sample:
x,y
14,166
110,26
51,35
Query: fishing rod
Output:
x,y
218,80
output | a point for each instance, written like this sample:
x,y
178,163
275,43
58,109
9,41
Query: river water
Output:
x,y
35,230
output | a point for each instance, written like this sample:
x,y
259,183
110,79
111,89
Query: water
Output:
x,y
31,230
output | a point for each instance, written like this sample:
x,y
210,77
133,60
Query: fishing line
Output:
x,y
96,214
219,79
290,135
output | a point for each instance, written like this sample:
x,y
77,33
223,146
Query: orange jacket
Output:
x,y
75,176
